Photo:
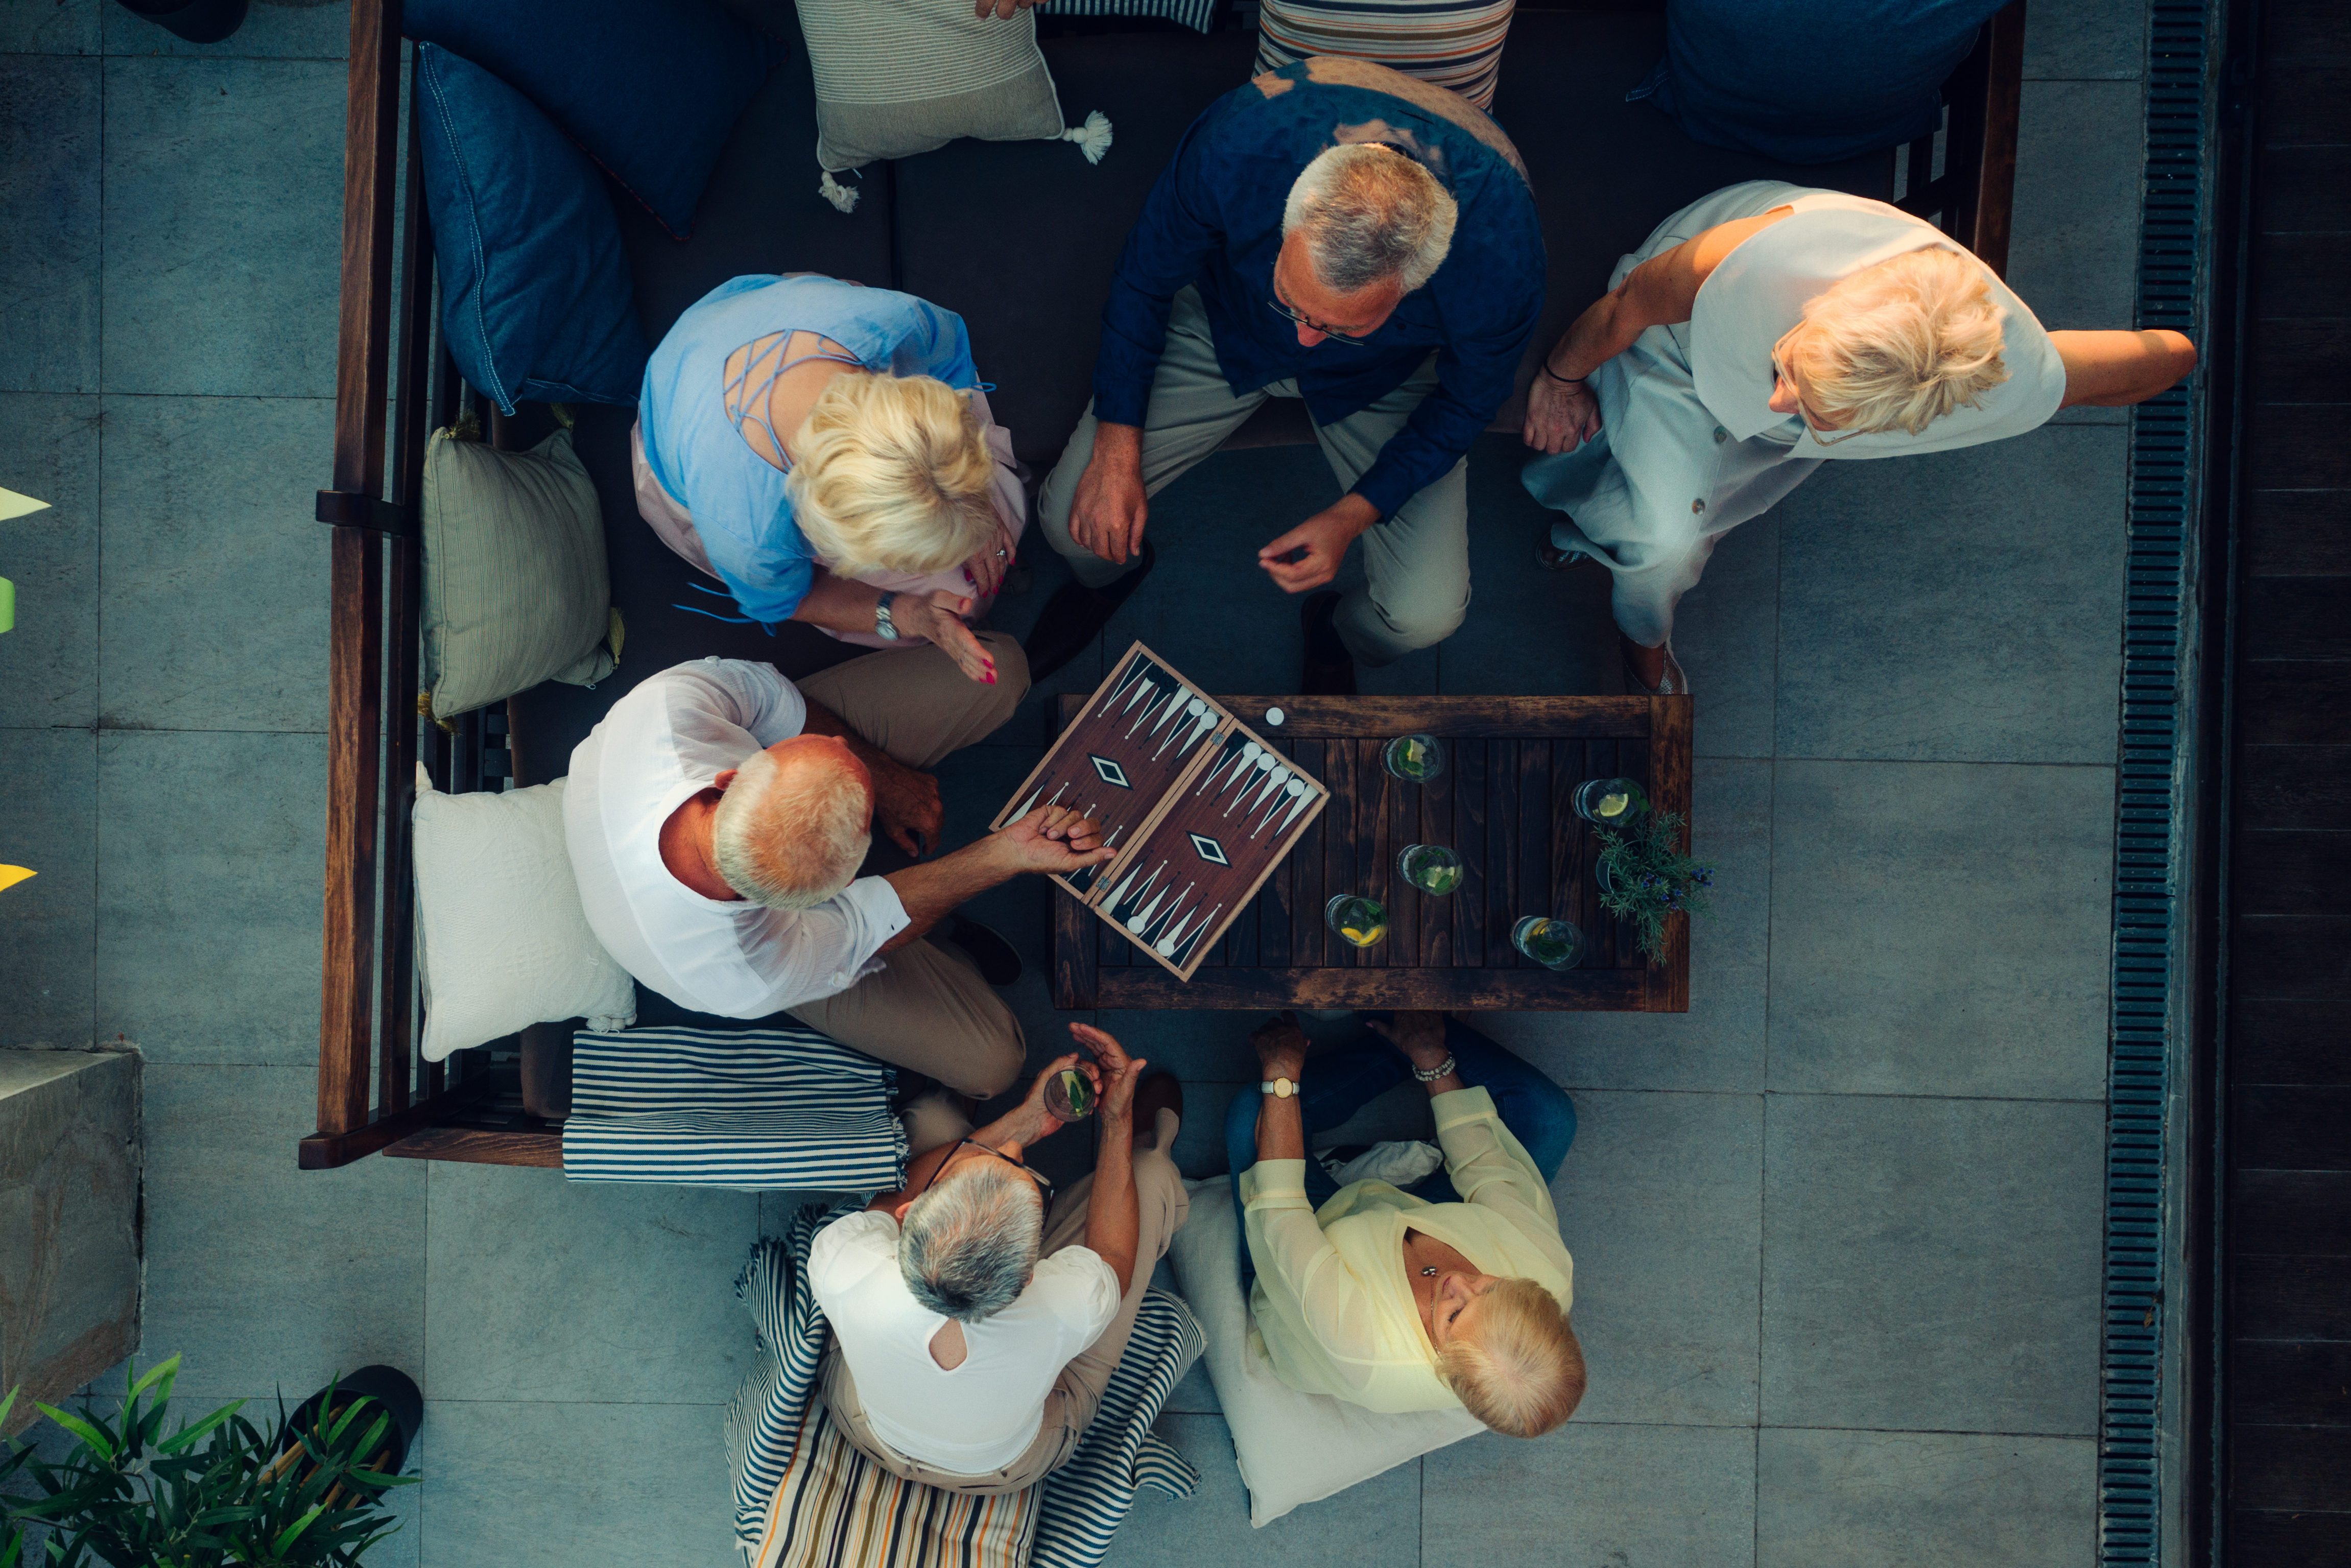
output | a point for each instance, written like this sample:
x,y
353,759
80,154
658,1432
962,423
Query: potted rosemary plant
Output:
x,y
1645,878
216,1492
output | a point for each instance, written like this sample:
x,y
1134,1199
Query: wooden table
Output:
x,y
1501,802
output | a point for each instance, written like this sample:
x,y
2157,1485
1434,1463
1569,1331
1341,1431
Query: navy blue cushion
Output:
x,y
535,297
649,90
1812,81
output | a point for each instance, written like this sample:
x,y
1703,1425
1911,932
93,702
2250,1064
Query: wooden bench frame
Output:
x,y
373,1095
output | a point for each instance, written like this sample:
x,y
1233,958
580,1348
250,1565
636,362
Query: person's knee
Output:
x,y
1011,673
1421,622
992,1061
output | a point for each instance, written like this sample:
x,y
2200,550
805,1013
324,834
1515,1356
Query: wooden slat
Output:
x,y
325,1150
1471,716
2290,1467
2305,874
2303,102
1399,826
2278,1041
2290,1298
2297,445
1532,831
541,1147
2291,956
1986,223
370,176
2300,274
1304,868
1470,787
1339,840
1501,863
2293,702
2297,360
2285,787
1434,825
2289,1384
2297,617
2302,190
2291,1127
1075,970
1376,847
1670,788
2264,1538
2292,533
1530,990
354,726
2304,1214
2306,33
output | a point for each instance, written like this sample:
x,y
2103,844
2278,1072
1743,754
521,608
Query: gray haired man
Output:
x,y
1340,233
976,1315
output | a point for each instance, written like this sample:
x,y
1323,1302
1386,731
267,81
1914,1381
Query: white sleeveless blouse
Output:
x,y
1758,292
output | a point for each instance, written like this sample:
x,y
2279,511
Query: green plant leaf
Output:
x,y
186,1437
91,1437
163,1371
293,1532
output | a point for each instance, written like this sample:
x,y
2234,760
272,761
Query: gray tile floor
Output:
x,y
1836,1226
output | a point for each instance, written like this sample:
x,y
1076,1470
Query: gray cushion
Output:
x,y
516,585
895,78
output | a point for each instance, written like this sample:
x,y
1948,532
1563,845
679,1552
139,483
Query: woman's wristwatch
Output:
x,y
1279,1088
883,625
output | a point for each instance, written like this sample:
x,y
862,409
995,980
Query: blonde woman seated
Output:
x,y
825,451
1453,1295
1765,329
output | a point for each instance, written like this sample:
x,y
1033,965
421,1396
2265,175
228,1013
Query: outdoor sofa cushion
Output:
x,y
1453,43
536,303
652,91
516,584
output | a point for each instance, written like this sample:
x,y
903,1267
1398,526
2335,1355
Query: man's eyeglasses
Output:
x,y
1311,325
1044,1183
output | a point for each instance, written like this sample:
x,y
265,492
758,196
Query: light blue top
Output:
x,y
737,499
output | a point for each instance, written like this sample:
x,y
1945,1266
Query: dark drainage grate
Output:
x,y
2165,453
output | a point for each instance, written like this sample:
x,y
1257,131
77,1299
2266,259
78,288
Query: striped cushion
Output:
x,y
749,1108
1197,14
1454,44
836,1509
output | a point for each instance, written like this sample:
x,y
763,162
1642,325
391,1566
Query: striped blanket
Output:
x,y
752,1108
1084,1501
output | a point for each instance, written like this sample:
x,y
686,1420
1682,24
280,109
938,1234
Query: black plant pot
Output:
x,y
394,1389
197,21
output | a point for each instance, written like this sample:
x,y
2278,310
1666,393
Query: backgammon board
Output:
x,y
1199,808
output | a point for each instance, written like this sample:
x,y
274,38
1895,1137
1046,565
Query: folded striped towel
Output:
x,y
750,1108
1069,1526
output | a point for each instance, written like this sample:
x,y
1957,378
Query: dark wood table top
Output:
x,y
1501,802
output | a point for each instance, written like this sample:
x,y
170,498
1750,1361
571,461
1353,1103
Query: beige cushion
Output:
x,y
515,590
895,78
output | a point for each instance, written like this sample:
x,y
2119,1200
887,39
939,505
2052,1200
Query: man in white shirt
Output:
x,y
976,1318
716,820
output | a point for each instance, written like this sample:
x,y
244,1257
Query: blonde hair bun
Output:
x,y
1898,345
892,474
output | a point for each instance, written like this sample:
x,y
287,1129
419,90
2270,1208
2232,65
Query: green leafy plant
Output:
x,y
1646,878
216,1492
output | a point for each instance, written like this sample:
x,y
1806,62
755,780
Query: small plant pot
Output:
x,y
197,21
389,1387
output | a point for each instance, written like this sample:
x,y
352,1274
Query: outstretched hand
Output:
x,y
1051,839
938,616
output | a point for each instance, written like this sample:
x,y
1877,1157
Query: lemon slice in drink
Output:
x,y
1613,805
1363,939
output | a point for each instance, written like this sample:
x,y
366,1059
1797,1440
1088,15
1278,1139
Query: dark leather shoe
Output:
x,y
998,963
1329,669
1075,616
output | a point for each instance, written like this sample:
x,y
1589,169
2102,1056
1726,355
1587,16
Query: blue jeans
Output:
x,y
1340,1083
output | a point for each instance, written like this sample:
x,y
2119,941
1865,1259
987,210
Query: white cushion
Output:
x,y
1294,1447
501,940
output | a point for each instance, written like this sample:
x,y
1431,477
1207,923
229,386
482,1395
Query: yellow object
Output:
x,y
7,605
12,505
1362,939
10,876
1613,805
1333,1308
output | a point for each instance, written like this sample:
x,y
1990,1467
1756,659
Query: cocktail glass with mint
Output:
x,y
1432,868
1415,758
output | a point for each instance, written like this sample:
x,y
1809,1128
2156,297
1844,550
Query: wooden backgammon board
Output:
x,y
1199,807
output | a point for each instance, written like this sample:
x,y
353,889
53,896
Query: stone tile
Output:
x,y
262,1276
1661,1497
49,120
49,27
2079,146
1960,606
1529,632
1940,929
48,664
210,879
282,28
216,573
1726,635
48,822
1856,1499
1665,1312
1195,1395
507,1244
1931,1264
1719,1043
2085,39
1374,1525
589,1485
223,285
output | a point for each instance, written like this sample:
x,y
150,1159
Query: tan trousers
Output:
x,y
1415,563
928,1010
1161,1204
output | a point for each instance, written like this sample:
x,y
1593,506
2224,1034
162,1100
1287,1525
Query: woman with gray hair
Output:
x,y
978,1316
1761,331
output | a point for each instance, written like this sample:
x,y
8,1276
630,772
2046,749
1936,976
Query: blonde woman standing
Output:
x,y
1760,332
825,451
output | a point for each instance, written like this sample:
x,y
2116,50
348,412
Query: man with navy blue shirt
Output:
x,y
1332,231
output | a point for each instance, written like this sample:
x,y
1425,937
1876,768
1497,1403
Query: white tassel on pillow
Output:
x,y
843,197
1093,138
